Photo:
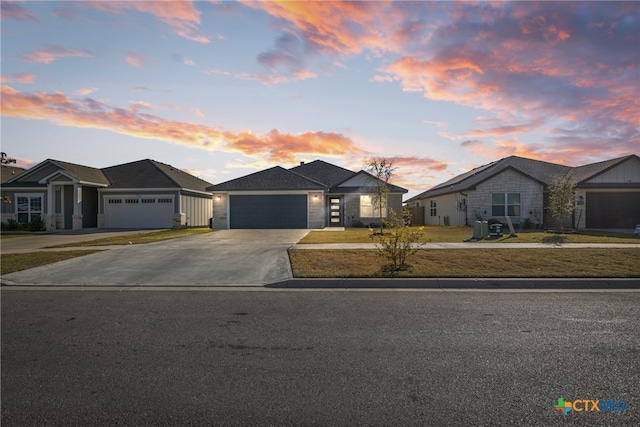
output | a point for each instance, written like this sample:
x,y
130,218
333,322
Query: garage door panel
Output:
x,y
286,211
145,212
612,209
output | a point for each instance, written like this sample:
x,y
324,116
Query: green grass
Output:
x,y
139,238
583,262
443,234
16,262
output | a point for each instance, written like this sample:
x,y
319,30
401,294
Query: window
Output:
x,y
29,207
367,208
148,201
505,204
115,201
165,200
433,208
130,201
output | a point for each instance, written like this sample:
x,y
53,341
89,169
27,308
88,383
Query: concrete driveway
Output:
x,y
222,258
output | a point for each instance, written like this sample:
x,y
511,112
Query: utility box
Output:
x,y
480,230
495,230
484,229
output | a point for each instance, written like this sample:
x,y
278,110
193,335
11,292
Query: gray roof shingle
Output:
x,y
152,174
543,172
326,173
272,179
83,173
9,172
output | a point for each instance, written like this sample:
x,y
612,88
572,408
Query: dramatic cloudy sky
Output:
x,y
222,89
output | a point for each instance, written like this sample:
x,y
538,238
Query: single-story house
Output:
x,y
312,195
141,194
607,195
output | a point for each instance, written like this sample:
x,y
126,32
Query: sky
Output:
x,y
224,89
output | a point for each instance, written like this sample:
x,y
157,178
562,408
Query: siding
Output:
x,y
509,181
197,210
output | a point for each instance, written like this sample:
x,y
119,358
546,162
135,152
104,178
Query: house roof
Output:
x,y
82,173
272,179
152,174
316,175
542,172
79,172
9,172
326,173
140,174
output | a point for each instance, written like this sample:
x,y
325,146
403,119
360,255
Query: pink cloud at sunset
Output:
x,y
135,59
88,113
21,78
53,53
181,16
12,10
521,61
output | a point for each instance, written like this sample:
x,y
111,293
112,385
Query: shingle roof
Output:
x,y
9,172
152,174
324,172
543,172
83,173
586,172
272,179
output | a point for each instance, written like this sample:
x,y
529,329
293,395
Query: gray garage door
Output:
x,y
613,210
276,211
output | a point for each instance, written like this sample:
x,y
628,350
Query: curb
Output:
x,y
489,283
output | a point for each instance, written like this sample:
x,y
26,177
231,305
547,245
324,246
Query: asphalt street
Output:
x,y
325,358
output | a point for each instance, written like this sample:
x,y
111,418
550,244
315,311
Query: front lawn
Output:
x,y
551,262
444,234
140,238
16,262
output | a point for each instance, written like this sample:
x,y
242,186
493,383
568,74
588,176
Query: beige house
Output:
x,y
607,195
141,194
312,195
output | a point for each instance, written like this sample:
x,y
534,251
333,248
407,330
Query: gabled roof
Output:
x,y
81,173
542,172
326,173
9,172
273,179
152,174
584,173
364,182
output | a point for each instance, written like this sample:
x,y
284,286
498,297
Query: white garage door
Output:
x,y
138,212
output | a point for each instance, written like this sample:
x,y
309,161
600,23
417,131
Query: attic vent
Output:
x,y
301,163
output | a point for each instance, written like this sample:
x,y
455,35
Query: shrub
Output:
x,y
399,242
357,224
36,224
10,225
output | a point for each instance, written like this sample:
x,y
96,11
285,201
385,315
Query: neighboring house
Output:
x,y
607,195
312,195
142,194
9,172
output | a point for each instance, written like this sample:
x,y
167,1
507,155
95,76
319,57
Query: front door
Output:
x,y
336,212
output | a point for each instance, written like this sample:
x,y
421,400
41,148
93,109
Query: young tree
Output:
x,y
400,241
561,197
382,169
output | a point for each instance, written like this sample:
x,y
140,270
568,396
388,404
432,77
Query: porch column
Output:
x,y
77,207
50,217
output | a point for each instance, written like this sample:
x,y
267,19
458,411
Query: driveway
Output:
x,y
227,257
